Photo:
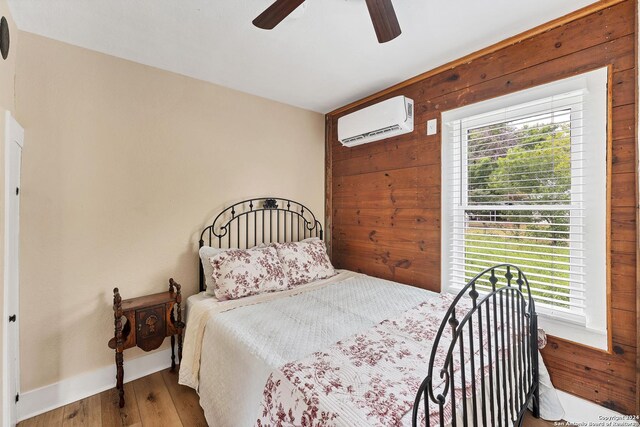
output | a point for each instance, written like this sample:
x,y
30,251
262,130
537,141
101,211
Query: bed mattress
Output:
x,y
232,347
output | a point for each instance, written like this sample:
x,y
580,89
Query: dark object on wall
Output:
x,y
149,320
268,219
383,17
4,37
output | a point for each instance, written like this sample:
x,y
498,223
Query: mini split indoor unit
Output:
x,y
385,119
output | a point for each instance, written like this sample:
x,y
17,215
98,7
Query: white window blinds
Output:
x,y
518,180
517,197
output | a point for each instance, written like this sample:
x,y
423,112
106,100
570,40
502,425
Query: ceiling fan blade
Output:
x,y
384,20
275,13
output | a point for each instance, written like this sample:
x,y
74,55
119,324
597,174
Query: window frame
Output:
x,y
591,328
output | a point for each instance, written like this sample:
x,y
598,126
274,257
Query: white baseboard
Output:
x,y
583,412
40,400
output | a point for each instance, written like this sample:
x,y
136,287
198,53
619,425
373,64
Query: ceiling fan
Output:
x,y
382,15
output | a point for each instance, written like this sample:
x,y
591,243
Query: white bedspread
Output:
x,y
231,347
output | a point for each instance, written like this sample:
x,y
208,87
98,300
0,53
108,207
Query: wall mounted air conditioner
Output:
x,y
385,119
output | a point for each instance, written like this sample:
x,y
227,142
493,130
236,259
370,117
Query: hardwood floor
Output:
x,y
154,400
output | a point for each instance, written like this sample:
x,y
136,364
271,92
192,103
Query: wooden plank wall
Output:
x,y
383,198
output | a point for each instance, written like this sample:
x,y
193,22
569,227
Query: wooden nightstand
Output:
x,y
149,320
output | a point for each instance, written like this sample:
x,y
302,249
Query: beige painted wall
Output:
x,y
7,75
123,165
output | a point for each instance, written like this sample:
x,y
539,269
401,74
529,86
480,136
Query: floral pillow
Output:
x,y
240,273
305,261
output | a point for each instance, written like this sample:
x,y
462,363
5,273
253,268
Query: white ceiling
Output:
x,y
322,57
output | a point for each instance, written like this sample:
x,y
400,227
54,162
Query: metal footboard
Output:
x,y
483,368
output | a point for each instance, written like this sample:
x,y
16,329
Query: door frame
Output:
x,y
13,133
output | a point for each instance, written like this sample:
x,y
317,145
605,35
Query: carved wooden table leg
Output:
x,y
117,313
173,357
179,322
173,338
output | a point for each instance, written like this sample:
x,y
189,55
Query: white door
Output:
x,y
14,140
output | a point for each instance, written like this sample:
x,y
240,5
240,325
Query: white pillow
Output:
x,y
205,253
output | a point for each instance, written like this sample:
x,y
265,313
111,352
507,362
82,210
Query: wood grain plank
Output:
x,y
102,409
376,181
624,122
624,300
154,402
623,246
623,155
410,242
623,188
147,300
610,396
620,363
392,144
423,218
393,254
31,422
407,197
388,258
623,90
328,184
186,402
85,412
113,415
623,260
427,197
410,150
51,418
396,179
637,192
623,283
623,226
620,52
377,234
421,273
624,331
599,377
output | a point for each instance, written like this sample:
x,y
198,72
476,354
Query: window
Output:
x,y
524,182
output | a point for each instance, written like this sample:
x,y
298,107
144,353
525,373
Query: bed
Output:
x,y
352,349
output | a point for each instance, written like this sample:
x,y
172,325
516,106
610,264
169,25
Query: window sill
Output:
x,y
574,332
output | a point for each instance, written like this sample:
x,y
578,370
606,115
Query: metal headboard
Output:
x,y
261,220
